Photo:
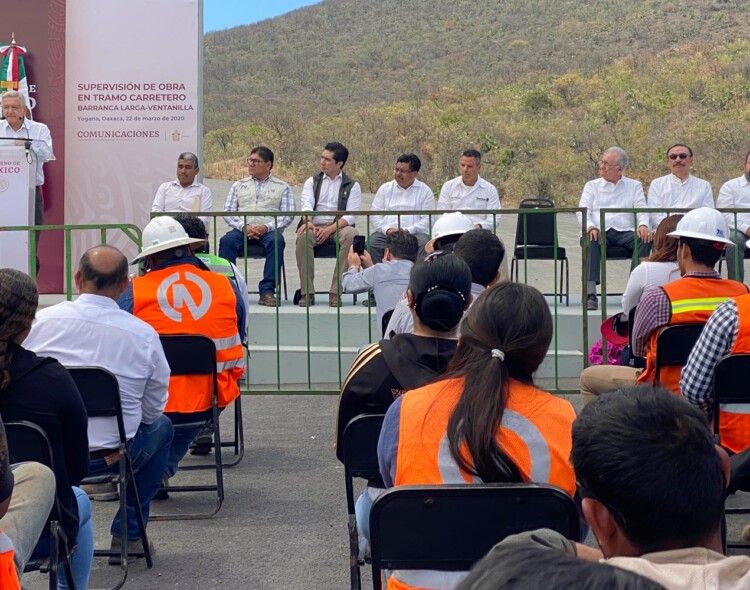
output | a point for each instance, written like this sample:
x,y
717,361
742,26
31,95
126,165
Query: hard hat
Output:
x,y
451,224
703,223
163,233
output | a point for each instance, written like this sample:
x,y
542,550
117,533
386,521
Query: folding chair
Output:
x,y
360,460
195,354
535,240
730,388
741,261
238,443
256,251
384,322
673,346
29,442
101,397
329,251
450,527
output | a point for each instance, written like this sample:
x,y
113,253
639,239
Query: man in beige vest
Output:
x,y
261,192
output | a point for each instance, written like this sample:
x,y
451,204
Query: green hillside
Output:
x,y
539,86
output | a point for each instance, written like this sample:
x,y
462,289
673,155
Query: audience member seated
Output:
x,y
388,279
439,292
484,421
179,295
482,251
689,300
185,193
261,193
735,194
516,565
39,390
92,331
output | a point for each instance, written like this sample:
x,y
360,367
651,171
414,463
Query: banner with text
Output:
x,y
132,106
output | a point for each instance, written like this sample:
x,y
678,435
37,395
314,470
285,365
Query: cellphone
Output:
x,y
359,245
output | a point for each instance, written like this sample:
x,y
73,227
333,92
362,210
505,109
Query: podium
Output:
x,y
17,187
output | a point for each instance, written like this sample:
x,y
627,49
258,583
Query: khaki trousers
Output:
x,y
306,262
598,379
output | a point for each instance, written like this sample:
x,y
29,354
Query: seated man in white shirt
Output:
x,y
612,190
329,190
403,193
184,194
93,331
387,280
679,189
735,194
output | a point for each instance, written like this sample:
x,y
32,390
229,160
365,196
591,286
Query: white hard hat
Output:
x,y
703,223
451,224
163,233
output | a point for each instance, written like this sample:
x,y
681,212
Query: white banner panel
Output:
x,y
17,181
131,106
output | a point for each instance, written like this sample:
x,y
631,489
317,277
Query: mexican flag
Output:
x,y
13,72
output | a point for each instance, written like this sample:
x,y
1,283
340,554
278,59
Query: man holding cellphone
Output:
x,y
388,279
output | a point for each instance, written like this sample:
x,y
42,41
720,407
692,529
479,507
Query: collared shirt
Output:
x,y
670,192
653,312
93,331
328,199
41,147
456,195
232,204
626,194
717,339
391,197
735,194
172,196
644,277
387,280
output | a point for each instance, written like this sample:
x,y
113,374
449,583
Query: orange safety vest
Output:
x,y
734,419
535,433
185,299
8,573
692,300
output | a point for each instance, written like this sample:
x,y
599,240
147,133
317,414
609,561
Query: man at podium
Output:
x,y
16,125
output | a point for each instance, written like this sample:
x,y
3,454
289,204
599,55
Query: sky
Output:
x,y
224,14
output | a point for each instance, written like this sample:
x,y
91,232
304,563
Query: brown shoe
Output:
x,y
269,300
303,300
333,300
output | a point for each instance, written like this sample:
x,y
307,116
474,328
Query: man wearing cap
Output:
x,y
612,190
679,189
403,193
689,300
387,280
184,193
179,295
735,194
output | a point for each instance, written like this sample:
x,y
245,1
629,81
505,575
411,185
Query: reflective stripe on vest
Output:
x,y
218,265
184,299
734,419
8,572
425,580
692,300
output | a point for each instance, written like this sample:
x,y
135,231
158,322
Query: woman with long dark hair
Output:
x,y
39,389
484,420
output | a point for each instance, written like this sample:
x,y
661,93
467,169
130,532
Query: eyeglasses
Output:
x,y
681,156
607,164
255,161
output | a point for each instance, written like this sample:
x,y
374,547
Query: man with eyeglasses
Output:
x,y
679,189
329,190
612,190
260,193
735,194
185,194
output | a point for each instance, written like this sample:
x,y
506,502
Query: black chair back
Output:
x,y
361,451
189,354
384,322
730,383
674,344
537,229
28,442
100,393
450,527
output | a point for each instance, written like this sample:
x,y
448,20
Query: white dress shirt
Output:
x,y
94,332
672,193
645,276
172,196
328,199
735,194
391,197
626,194
41,147
456,195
